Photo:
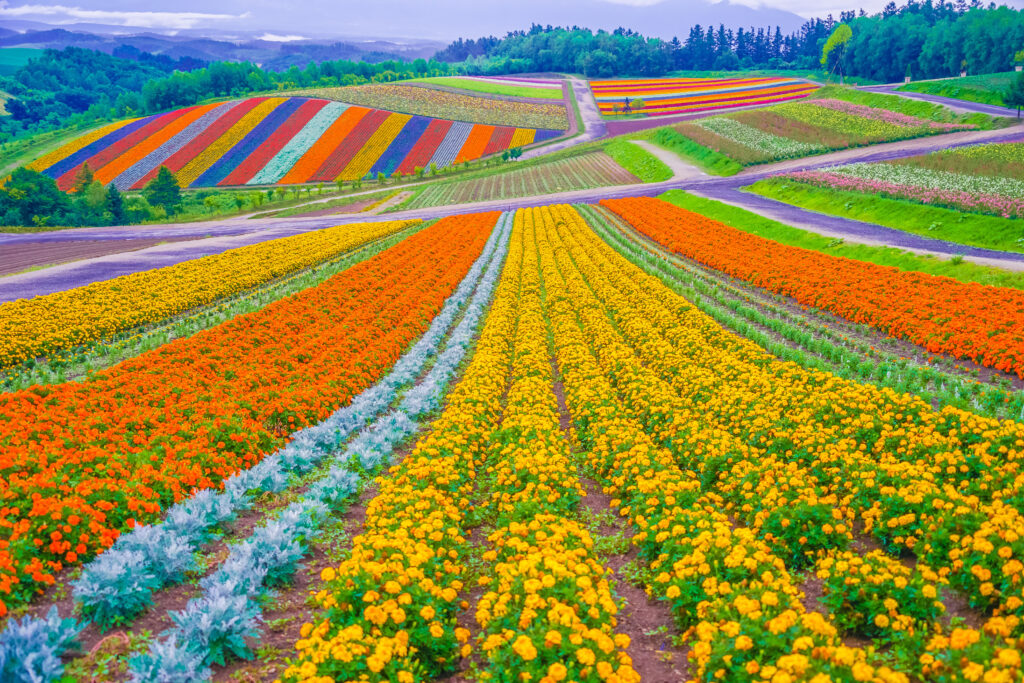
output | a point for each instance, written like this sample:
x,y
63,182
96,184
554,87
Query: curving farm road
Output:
x,y
961,106
215,237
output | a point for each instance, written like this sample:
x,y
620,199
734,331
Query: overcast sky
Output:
x,y
435,19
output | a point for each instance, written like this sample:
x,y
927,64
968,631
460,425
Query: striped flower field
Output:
x,y
667,96
276,140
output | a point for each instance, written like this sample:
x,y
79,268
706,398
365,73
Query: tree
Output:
x,y
637,104
28,195
114,205
381,178
839,40
163,190
1014,97
83,178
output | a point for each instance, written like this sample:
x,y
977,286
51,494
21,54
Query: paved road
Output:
x,y
228,234
961,106
592,123
680,169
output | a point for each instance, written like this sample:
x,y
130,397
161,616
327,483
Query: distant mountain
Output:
x,y
473,18
275,55
409,27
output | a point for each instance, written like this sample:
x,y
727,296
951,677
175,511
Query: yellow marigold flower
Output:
x,y
881,621
523,647
585,656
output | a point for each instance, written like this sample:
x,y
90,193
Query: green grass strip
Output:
x,y
490,88
983,88
638,161
973,229
753,223
709,160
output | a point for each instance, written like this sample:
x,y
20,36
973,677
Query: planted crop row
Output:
x,y
275,140
594,169
53,325
131,440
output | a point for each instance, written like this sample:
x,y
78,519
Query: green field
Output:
x,y
884,256
488,88
991,232
13,57
983,88
638,161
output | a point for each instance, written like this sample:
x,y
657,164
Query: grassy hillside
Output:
x,y
983,89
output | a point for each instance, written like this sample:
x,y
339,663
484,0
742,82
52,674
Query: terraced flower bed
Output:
x,y
830,120
276,140
668,96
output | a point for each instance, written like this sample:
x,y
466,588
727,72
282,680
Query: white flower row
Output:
x,y
748,136
903,174
216,624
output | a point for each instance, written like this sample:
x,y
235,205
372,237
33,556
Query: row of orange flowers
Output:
x,y
966,320
81,461
55,324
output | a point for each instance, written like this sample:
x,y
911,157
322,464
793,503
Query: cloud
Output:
x,y
275,38
165,20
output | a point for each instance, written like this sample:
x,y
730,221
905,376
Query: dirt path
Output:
x,y
858,231
238,232
590,121
680,169
959,106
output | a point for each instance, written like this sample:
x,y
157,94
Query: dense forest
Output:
x,y
71,86
931,38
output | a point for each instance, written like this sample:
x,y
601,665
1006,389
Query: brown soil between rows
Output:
x,y
647,622
23,255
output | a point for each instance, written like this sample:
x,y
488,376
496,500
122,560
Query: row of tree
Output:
x,y
31,198
71,86
931,38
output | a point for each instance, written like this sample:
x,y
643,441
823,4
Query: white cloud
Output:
x,y
165,20
275,38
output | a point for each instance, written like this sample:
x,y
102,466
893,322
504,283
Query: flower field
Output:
x,y
199,408
498,426
52,325
593,169
798,129
271,140
925,309
440,104
668,96
982,179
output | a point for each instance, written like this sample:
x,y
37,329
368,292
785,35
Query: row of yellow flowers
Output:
x,y
54,325
388,611
677,528
548,613
735,598
944,484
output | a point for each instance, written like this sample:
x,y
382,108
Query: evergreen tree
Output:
x,y
83,179
114,205
1014,97
163,190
